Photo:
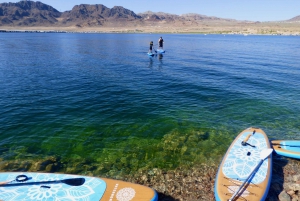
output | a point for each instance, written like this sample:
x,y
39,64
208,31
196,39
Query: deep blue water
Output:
x,y
98,100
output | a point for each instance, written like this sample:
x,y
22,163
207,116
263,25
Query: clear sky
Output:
x,y
254,10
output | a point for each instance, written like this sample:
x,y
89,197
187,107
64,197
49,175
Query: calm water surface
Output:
x,y
99,104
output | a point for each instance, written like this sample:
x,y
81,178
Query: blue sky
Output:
x,y
255,10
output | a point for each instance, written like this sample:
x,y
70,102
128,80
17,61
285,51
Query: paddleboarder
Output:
x,y
160,43
150,48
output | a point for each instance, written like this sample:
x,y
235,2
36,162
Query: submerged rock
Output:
x,y
283,196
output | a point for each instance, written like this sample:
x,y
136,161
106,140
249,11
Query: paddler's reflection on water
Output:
x,y
160,56
150,63
160,64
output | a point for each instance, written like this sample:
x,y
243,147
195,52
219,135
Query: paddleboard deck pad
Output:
x,y
239,162
53,187
287,148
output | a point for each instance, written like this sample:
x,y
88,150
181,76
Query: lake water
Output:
x,y
98,104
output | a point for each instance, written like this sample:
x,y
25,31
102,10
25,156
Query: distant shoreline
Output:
x,y
230,29
107,32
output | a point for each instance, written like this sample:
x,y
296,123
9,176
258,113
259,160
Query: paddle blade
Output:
x,y
74,181
265,153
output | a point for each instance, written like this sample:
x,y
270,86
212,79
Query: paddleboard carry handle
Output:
x,y
247,138
245,143
22,178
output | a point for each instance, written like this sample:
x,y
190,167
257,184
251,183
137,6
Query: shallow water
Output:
x,y
98,101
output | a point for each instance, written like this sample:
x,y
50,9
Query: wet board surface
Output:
x,y
93,189
288,148
237,164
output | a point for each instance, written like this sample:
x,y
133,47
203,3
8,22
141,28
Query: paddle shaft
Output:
x,y
71,182
33,183
286,145
254,171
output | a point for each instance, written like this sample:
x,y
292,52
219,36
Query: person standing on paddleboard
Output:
x,y
150,48
160,43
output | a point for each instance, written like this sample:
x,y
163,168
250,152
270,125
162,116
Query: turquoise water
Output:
x,y
96,103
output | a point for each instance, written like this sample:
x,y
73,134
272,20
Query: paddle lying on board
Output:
x,y
71,182
263,155
51,186
287,148
286,145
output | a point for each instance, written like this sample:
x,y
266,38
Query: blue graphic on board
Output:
x,y
93,188
242,160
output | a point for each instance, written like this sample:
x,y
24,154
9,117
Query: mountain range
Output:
x,y
30,13
34,14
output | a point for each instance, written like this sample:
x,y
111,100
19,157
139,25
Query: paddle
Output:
x,y
263,155
285,145
155,50
71,182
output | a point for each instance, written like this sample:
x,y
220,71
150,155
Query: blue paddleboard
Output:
x,y
150,54
239,162
15,186
287,148
160,51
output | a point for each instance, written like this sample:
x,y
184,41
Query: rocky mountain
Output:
x,y
28,13
186,20
295,19
95,15
159,16
195,16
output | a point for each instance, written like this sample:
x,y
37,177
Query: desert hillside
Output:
x,y
30,15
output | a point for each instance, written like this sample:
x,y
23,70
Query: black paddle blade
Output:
x,y
74,181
